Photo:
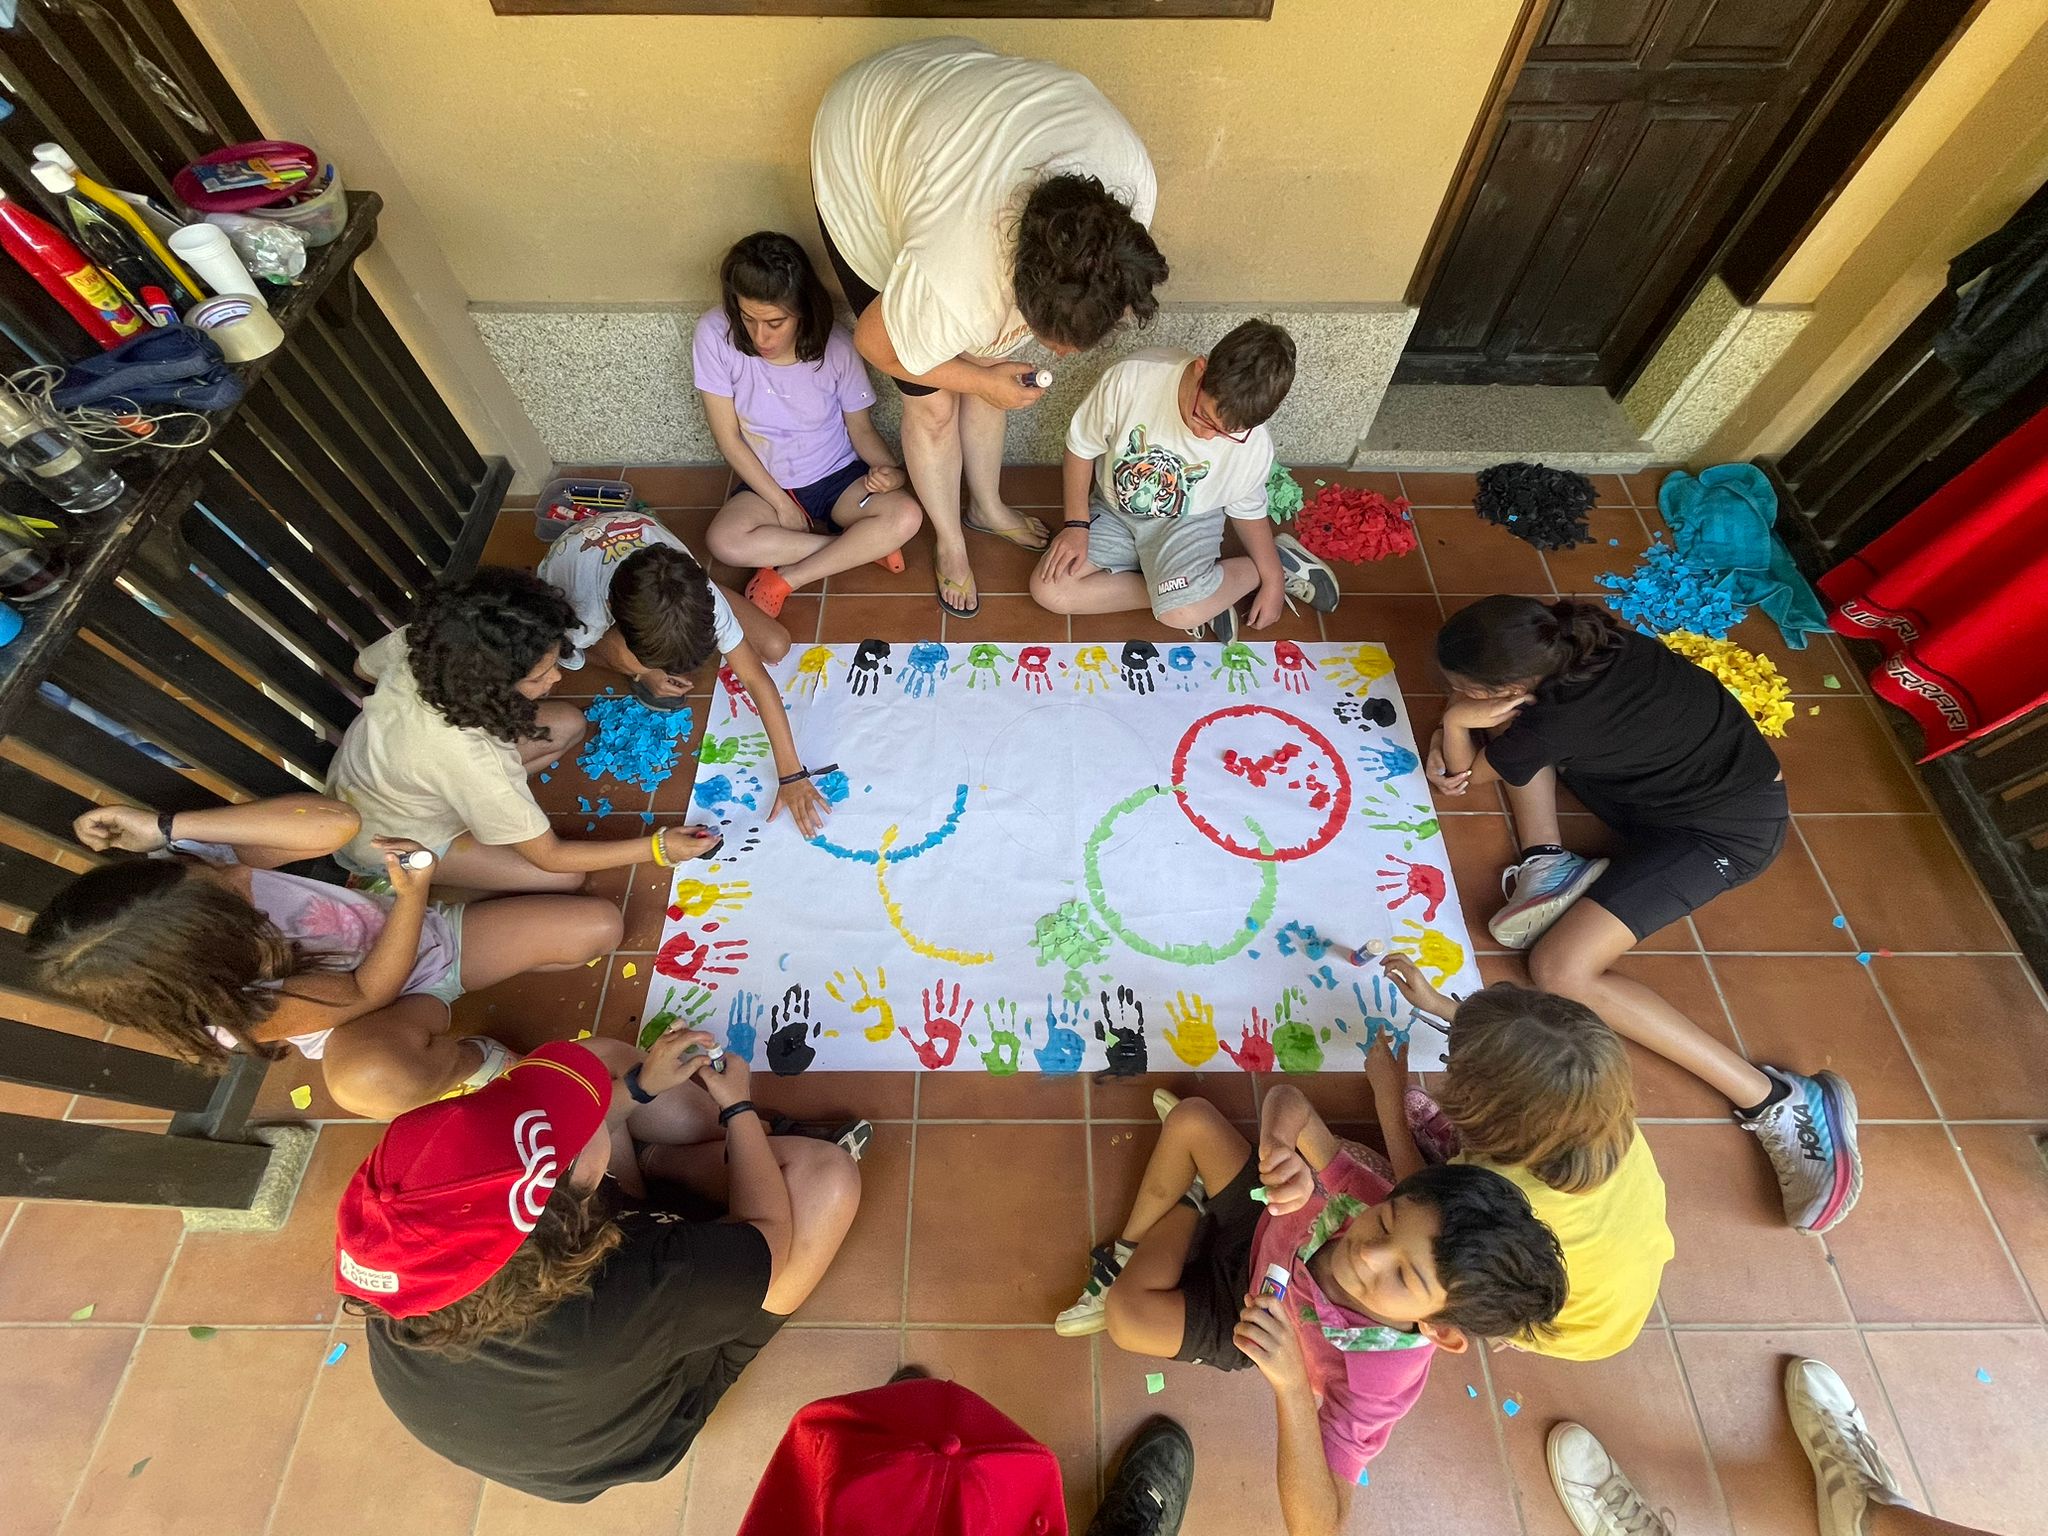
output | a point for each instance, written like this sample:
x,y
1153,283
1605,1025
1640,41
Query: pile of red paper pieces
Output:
x,y
1343,523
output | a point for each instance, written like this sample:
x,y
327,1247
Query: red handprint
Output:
x,y
1424,880
736,694
687,958
1031,667
943,1022
1254,1049
1290,667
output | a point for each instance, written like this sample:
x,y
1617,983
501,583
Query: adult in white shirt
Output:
x,y
970,201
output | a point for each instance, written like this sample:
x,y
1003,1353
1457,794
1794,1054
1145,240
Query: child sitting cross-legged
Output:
x,y
1538,1089
1379,1277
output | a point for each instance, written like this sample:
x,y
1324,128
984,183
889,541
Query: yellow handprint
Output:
x,y
694,898
1359,668
869,1001
810,674
1088,664
1193,1036
1430,950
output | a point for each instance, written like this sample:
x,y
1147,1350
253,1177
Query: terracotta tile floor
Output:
x,y
1928,1300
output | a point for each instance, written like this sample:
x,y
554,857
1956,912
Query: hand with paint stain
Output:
x,y
1290,666
945,1021
1356,670
1005,1044
1364,712
791,1030
925,668
871,1001
733,749
1030,668
1181,662
686,958
696,898
1134,665
1254,1049
870,666
1064,1047
1411,984
1088,664
982,660
1431,950
692,1010
1413,880
1193,1028
812,672
742,1019
1235,667
736,695
1386,1069
1122,1033
1388,759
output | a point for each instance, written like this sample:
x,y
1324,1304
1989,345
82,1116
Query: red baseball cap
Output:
x,y
914,1458
454,1187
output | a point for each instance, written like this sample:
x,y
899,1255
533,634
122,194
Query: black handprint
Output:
x,y
1364,712
1136,663
789,1052
732,852
1124,1034
870,666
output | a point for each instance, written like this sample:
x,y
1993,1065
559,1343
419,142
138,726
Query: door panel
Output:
x,y
1633,127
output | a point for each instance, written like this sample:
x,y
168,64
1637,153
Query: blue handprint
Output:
x,y
927,663
1063,1046
717,792
739,1025
1182,660
1380,1014
1390,760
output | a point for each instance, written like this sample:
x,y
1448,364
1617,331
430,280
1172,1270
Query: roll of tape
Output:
x,y
241,327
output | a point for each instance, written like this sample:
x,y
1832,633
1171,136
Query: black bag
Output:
x,y
171,367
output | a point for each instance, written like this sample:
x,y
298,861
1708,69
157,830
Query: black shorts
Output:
x,y
1663,874
859,296
1218,1272
821,496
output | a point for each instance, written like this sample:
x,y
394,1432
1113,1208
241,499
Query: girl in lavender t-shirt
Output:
x,y
787,397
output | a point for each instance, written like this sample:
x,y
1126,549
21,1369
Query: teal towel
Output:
x,y
1722,520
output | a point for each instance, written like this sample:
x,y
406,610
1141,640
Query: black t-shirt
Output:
x,y
1652,741
607,1388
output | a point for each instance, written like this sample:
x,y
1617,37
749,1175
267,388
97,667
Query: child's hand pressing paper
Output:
x,y
1288,1179
1386,1069
1407,977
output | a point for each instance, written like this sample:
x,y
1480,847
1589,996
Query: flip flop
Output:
x,y
1017,536
939,585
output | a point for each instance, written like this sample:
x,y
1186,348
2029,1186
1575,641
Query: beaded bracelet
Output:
x,y
654,844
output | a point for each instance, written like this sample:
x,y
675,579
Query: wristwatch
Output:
x,y
632,1082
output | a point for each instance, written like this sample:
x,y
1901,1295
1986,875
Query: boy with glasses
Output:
x,y
1166,447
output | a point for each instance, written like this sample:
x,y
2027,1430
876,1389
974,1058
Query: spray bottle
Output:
x,y
66,275
140,277
116,203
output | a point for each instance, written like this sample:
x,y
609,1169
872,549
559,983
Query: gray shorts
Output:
x,y
1181,557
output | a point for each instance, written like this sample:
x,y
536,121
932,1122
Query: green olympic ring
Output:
x,y
1180,954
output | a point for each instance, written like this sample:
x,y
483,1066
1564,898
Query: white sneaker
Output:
x,y
497,1062
1539,889
1849,1472
1595,1492
1090,1314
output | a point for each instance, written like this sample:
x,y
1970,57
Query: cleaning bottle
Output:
x,y
112,246
45,456
65,274
117,204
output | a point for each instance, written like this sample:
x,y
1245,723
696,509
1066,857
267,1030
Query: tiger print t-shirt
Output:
x,y
1148,463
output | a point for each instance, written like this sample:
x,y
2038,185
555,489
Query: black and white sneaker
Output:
x,y
1307,578
1149,1494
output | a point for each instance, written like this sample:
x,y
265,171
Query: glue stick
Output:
x,y
418,858
1274,1282
1036,378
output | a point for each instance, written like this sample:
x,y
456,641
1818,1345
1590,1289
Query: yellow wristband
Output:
x,y
654,843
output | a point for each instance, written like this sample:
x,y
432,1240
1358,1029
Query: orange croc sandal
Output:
x,y
768,591
892,562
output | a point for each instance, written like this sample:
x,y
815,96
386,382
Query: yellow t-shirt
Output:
x,y
1615,1248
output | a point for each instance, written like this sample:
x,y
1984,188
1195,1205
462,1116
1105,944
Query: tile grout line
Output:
x,y
1094,1353
1885,1391
1500,1438
909,1222
1699,1425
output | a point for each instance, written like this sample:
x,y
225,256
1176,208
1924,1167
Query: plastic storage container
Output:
x,y
313,204
564,503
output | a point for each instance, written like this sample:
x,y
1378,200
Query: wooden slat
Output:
x,y
423,404
62,1063
35,802
86,749
312,554
68,1160
28,882
235,569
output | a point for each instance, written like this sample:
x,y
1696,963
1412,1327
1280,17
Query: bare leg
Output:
x,y
565,727
1573,960
398,1058
1535,810
886,523
479,866
1195,1139
1900,1520
981,447
502,939
747,532
1146,1311
824,1194
931,452
768,638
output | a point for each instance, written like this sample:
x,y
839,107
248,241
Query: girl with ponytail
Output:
x,y
1545,694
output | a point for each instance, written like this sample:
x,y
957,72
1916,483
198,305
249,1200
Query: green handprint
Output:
x,y
1416,821
1004,1041
982,661
733,749
691,1011
1236,667
1295,1045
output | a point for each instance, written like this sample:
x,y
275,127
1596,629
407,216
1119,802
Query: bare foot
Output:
x,y
1009,524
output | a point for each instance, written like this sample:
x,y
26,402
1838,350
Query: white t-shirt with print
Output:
x,y
921,159
1148,464
581,564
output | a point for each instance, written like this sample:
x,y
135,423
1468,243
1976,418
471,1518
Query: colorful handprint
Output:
x,y
1121,1029
870,666
1064,1047
1431,950
1030,668
1364,712
692,1010
812,673
733,749
1254,1049
742,1019
1290,666
1385,1011
720,792
1235,666
696,898
1005,1044
685,957
1134,665
1412,880
1359,668
791,1032
1089,661
945,1021
736,695
1387,758
1386,813
925,668
1193,1028
872,1000
982,665
1180,662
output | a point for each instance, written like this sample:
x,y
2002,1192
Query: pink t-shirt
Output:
x,y
793,416
1364,1374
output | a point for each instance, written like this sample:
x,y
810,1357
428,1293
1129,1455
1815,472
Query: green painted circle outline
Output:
x,y
1256,918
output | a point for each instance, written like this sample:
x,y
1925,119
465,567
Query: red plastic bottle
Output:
x,y
66,274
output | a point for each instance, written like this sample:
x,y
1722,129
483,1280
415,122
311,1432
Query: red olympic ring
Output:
x,y
1340,806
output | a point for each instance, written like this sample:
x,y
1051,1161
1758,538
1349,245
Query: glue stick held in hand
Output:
x,y
1274,1282
1036,378
419,858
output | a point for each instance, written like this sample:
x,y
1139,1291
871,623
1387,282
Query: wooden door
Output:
x,y
1633,128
